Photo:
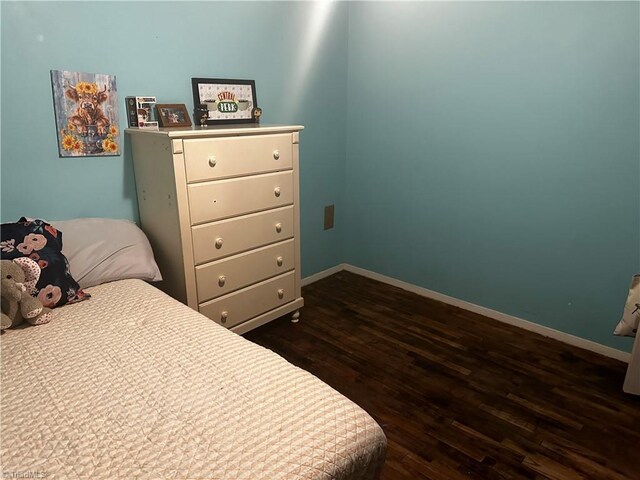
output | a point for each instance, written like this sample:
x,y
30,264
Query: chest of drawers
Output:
x,y
220,207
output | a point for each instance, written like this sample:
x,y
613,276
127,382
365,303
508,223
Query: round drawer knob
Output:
x,y
276,154
278,227
276,191
279,261
223,316
281,293
221,280
212,161
218,242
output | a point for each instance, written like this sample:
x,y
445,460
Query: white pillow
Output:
x,y
101,250
628,326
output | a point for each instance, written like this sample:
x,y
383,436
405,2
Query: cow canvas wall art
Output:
x,y
86,108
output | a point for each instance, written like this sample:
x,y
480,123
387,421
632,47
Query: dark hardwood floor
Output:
x,y
459,395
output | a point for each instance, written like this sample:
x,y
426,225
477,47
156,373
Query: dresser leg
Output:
x,y
295,316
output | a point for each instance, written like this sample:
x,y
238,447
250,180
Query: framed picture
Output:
x,y
173,115
227,101
86,110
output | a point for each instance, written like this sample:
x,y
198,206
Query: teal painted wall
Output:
x,y
493,155
154,48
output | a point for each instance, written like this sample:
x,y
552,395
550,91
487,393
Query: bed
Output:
x,y
133,384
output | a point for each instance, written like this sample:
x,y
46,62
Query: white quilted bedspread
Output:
x,y
132,384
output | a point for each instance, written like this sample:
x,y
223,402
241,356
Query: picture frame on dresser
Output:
x,y
173,115
228,101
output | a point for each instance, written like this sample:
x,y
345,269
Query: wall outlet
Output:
x,y
329,212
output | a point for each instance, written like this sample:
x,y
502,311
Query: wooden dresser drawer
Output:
x,y
209,159
234,235
227,237
249,302
224,276
212,201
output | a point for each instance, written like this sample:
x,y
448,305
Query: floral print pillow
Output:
x,y
41,242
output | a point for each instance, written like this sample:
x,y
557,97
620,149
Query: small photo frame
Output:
x,y
173,115
227,101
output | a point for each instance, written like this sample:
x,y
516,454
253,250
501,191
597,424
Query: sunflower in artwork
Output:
x,y
68,142
108,145
86,88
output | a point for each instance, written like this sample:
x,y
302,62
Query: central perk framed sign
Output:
x,y
227,100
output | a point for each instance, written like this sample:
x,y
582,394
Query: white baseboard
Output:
x,y
323,274
487,312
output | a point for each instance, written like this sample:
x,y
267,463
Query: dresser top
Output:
x,y
216,130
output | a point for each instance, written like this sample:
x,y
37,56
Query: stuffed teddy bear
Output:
x,y
18,279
